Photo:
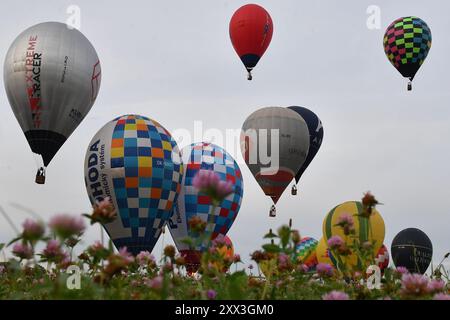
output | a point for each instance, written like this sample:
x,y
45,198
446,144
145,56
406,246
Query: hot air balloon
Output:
x,y
274,144
136,162
315,129
226,252
382,258
305,252
52,77
412,249
251,31
366,229
407,42
193,203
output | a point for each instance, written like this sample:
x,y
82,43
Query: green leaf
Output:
x,y
2,245
271,248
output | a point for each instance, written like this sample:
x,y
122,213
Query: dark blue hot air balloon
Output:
x,y
315,129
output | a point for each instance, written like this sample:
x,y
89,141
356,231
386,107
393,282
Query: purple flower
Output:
x,y
144,257
336,295
442,297
335,242
32,230
208,182
435,286
414,284
324,269
402,270
2,269
66,226
125,255
53,252
347,223
155,283
211,294
22,251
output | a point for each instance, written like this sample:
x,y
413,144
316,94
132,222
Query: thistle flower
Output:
x,y
369,202
336,295
125,255
324,270
32,230
67,226
237,258
211,294
402,270
103,212
22,251
208,182
335,242
414,284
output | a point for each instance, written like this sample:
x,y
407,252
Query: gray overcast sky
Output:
x,y
173,61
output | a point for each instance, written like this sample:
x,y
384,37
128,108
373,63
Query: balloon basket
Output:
x,y
40,176
273,212
249,77
409,86
294,190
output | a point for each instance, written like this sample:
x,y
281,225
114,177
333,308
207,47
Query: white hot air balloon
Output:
x,y
275,144
52,77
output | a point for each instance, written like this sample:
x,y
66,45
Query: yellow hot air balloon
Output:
x,y
366,229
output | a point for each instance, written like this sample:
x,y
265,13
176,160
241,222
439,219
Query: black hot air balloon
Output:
x,y
412,249
315,129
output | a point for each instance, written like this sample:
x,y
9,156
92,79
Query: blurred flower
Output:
x,y
2,269
66,226
347,223
22,250
208,182
303,268
103,212
435,286
53,252
219,241
324,269
155,283
442,297
284,263
335,242
236,258
125,255
169,251
296,238
211,294
180,261
402,270
336,295
144,257
250,267
414,284
369,202
32,230
196,224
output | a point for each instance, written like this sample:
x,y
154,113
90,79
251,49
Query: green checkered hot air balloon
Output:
x,y
407,42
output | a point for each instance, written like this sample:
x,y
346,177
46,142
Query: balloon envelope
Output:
x,y
382,258
251,31
134,161
407,42
281,134
375,233
315,129
305,252
412,249
191,202
52,77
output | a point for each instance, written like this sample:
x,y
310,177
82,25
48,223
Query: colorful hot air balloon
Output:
x,y
191,202
305,252
281,133
226,252
315,129
323,254
412,249
407,42
52,77
363,231
382,258
134,161
251,30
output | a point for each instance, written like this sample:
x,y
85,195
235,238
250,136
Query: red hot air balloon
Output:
x,y
251,31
